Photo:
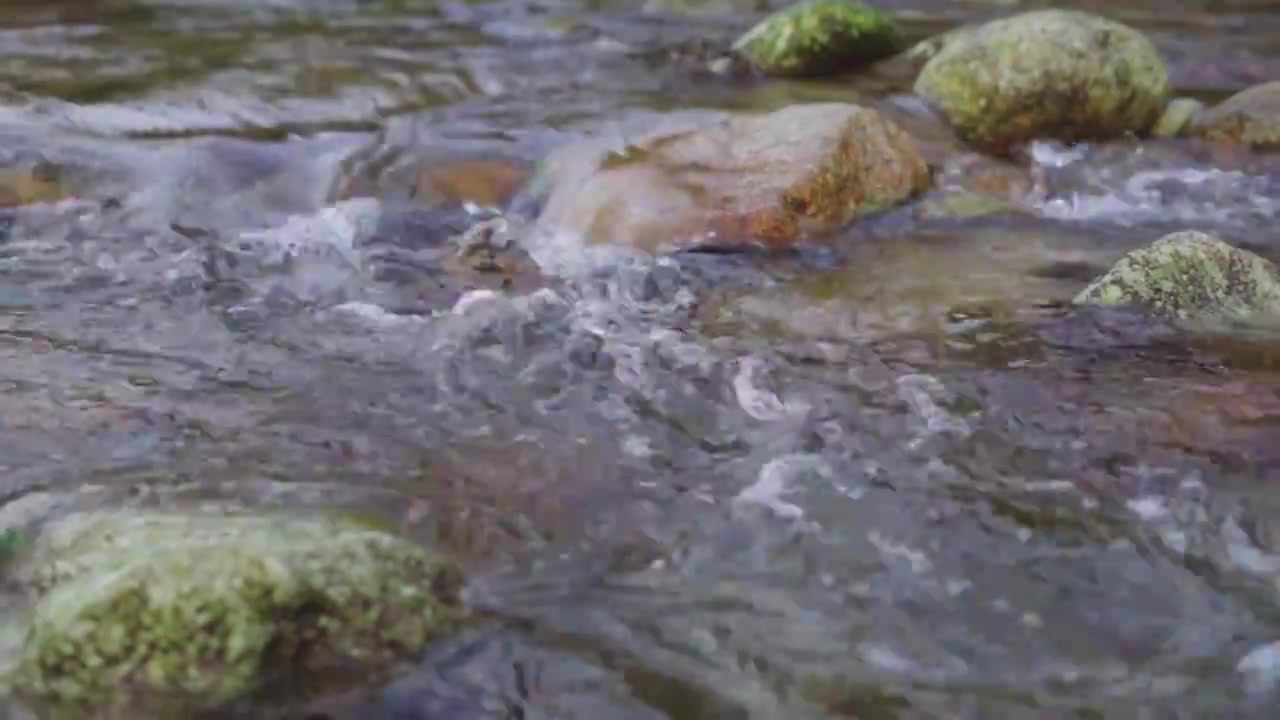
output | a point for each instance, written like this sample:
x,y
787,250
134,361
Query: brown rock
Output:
x,y
1251,117
489,183
24,187
775,179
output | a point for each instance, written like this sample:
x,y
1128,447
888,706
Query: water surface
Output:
x,y
894,477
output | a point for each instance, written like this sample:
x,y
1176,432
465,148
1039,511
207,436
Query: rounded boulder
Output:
x,y
1049,74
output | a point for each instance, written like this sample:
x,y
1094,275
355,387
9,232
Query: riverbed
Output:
x,y
893,475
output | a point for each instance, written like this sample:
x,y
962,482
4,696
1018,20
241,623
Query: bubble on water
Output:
x,y
1137,185
374,315
1243,554
310,256
890,551
474,299
1261,668
1186,195
883,657
1054,155
777,479
1149,507
754,398
922,394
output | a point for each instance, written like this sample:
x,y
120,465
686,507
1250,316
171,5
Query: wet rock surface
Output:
x,y
889,472
1251,117
775,179
143,610
1178,115
819,37
1191,276
1047,74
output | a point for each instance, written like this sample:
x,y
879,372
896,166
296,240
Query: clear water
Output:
x,y
895,477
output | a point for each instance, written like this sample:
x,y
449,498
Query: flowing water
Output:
x,y
897,476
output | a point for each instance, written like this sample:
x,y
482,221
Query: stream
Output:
x,y
893,476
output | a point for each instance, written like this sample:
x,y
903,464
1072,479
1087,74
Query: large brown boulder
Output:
x,y
773,179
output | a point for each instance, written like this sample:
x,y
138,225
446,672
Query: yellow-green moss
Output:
x,y
819,37
138,609
1047,74
1190,276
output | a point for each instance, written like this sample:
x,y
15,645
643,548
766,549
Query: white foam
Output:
x,y
776,480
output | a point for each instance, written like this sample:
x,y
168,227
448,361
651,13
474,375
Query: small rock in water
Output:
x,y
700,56
820,37
924,51
1251,117
1261,668
30,185
1177,116
775,179
1047,74
1190,276
139,612
488,183
489,247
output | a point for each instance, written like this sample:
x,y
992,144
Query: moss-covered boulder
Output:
x,y
1190,276
1047,74
772,179
1178,115
819,37
151,612
1251,117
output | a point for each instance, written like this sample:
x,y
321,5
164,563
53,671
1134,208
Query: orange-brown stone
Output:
x,y
774,179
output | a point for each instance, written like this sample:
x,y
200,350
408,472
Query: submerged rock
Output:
x,y
894,287
700,56
1047,74
925,50
1177,116
22,186
819,37
488,183
169,610
1251,117
775,179
1190,276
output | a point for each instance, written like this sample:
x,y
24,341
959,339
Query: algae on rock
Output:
x,y
819,37
1046,74
187,612
1190,276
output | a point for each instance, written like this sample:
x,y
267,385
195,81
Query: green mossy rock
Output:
x,y
165,613
1047,74
1190,276
1251,117
819,37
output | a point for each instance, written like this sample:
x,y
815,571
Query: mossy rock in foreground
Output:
x,y
165,613
1191,276
1046,74
819,37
